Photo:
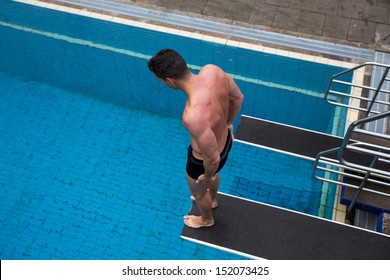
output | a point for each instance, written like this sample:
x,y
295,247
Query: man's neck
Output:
x,y
188,84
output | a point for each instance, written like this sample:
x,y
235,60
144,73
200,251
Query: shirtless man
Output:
x,y
213,102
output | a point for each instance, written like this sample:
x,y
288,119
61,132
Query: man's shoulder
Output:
x,y
193,119
212,67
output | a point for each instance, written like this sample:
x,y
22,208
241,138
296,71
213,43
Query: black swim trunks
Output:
x,y
195,166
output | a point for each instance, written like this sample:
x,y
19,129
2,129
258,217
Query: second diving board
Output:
x,y
287,139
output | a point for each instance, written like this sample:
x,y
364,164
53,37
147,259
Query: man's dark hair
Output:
x,y
168,63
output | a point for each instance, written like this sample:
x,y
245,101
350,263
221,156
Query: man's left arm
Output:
x,y
207,144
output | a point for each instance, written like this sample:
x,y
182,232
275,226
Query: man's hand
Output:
x,y
205,180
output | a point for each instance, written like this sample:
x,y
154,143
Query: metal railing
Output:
x,y
351,94
379,153
356,163
364,156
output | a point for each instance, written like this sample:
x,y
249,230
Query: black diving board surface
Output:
x,y
258,230
284,138
295,141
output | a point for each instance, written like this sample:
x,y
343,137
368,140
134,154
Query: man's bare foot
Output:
x,y
197,222
214,204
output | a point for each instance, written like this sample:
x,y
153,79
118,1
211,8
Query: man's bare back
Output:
x,y
209,102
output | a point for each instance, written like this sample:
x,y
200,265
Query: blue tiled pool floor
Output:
x,y
84,176
84,179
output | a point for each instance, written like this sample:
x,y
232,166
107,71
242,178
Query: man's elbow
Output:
x,y
241,98
213,161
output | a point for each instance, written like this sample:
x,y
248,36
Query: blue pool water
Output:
x,y
93,150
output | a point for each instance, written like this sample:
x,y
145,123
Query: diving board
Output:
x,y
295,141
258,230
284,138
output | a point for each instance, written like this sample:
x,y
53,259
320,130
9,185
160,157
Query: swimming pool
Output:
x,y
93,147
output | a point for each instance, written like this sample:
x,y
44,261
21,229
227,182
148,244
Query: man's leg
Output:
x,y
213,191
204,203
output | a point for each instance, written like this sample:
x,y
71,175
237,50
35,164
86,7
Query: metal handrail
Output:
x,y
346,146
342,169
368,174
363,86
374,171
371,99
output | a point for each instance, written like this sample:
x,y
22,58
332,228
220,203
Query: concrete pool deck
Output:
x,y
347,30
363,23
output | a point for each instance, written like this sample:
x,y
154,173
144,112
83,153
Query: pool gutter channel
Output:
x,y
261,36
